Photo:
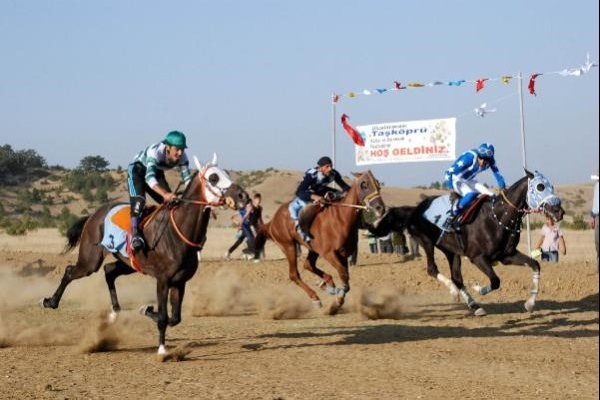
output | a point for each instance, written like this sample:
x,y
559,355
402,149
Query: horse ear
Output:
x,y
356,174
197,162
528,173
215,160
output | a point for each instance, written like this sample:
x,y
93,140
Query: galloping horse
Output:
x,y
171,254
492,236
335,232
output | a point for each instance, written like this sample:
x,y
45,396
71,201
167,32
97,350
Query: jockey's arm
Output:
x,y
340,181
498,176
166,195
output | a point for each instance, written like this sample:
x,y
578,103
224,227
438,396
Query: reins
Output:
x,y
197,202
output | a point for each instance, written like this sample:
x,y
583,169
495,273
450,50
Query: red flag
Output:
x,y
335,98
398,85
479,84
352,132
531,85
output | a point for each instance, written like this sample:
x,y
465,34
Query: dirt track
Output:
x,y
252,334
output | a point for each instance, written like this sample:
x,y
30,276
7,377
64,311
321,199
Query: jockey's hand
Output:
x,y
329,196
169,197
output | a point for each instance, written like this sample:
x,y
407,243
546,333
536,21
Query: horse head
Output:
x,y
541,196
216,187
369,192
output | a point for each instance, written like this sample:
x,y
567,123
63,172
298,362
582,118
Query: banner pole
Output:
x,y
524,153
333,113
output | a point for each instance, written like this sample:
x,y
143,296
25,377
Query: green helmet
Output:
x,y
175,138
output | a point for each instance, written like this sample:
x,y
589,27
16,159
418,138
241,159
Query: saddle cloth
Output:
x,y
438,211
117,225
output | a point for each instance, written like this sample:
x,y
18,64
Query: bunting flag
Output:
x,y
356,138
335,98
479,84
531,85
482,110
398,85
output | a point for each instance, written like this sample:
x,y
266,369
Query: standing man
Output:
x,y
594,217
146,175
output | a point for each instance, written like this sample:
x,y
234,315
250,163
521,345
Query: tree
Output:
x,y
93,163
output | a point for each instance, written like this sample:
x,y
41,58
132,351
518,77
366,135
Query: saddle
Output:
x,y
122,218
468,215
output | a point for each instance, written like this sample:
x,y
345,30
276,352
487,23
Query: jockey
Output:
x,y
314,187
460,176
146,175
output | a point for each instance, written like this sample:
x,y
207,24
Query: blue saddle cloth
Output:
x,y
115,238
438,212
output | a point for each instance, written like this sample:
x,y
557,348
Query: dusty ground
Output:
x,y
249,333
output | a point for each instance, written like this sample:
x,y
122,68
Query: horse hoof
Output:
x,y
112,317
143,310
162,350
480,312
530,305
41,303
477,287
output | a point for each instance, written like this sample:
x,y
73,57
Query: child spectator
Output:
x,y
551,241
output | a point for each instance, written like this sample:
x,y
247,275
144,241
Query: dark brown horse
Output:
x,y
174,237
335,232
492,235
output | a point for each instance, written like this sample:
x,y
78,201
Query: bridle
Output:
x,y
203,185
366,200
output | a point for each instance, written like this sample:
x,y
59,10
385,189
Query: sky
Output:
x,y
252,80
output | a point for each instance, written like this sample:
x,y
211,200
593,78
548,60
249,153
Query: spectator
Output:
x,y
255,218
414,247
399,243
385,243
594,215
372,240
551,241
244,232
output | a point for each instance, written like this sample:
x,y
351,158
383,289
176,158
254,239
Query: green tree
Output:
x,y
93,163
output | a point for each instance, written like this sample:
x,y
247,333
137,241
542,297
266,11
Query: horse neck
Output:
x,y
517,196
188,215
351,198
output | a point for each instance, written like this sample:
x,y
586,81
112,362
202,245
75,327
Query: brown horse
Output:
x,y
335,232
174,237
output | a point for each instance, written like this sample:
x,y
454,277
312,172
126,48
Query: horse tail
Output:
x,y
261,238
74,234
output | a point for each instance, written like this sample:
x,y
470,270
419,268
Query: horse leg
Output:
x,y
521,259
455,274
162,294
310,264
176,294
432,269
485,266
290,253
111,272
89,261
341,266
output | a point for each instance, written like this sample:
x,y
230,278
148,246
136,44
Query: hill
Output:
x,y
48,194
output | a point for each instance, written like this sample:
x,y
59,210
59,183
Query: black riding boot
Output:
x,y
137,207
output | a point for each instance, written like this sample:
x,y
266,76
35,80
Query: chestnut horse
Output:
x,y
492,236
335,232
174,236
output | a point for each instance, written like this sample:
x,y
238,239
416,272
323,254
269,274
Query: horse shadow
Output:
x,y
550,323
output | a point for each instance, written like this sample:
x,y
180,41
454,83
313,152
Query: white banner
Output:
x,y
410,141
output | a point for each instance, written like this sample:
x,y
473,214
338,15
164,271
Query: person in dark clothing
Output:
x,y
314,188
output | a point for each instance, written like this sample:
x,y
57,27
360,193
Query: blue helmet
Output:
x,y
485,151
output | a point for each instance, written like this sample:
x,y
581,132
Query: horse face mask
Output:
x,y
540,195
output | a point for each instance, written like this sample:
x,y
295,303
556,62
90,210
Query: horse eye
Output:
x,y
540,187
364,186
213,179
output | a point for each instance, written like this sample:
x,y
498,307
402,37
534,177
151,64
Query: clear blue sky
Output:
x,y
251,80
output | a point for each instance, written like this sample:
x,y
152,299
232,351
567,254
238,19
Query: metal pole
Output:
x,y
333,129
524,153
